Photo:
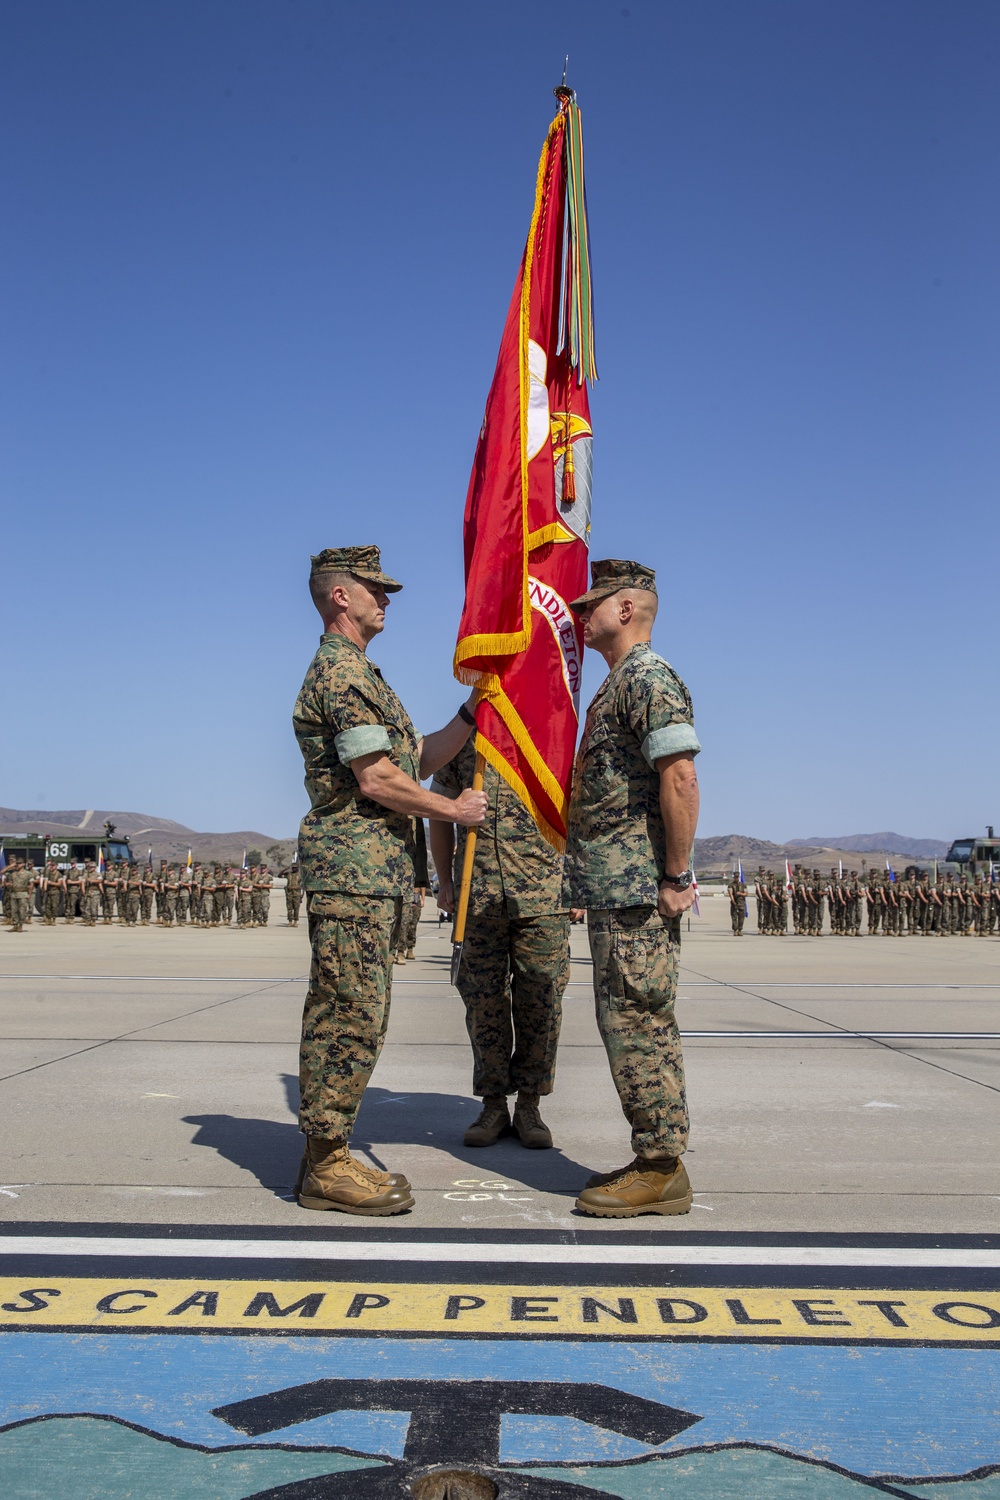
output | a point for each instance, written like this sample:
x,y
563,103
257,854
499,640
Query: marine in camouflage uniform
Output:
x,y
263,881
781,905
760,896
798,901
19,883
515,957
206,901
183,895
244,898
854,904
225,891
147,893
356,854
816,894
130,895
616,867
293,893
92,888
737,904
407,936
73,892
53,886
171,890
109,895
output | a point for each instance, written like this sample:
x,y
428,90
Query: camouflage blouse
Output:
x,y
516,872
616,848
345,710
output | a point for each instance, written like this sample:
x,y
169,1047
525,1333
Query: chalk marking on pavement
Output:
x,y
668,1253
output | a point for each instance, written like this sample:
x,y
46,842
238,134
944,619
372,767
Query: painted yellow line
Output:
x,y
447,1308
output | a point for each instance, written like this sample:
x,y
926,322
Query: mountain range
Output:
x,y
878,843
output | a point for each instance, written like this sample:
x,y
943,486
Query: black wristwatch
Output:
x,y
681,881
463,713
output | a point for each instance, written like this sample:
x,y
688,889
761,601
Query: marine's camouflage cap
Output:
x,y
609,576
363,562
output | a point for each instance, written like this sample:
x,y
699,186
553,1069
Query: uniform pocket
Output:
x,y
643,966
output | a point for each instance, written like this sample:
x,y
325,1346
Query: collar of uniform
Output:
x,y
330,642
640,648
333,640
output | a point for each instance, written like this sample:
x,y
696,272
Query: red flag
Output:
x,y
527,514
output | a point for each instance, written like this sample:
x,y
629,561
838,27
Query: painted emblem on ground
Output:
x,y
129,1387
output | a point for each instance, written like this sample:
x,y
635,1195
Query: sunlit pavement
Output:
x,y
824,1321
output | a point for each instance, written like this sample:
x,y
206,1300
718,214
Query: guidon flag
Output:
x,y
527,513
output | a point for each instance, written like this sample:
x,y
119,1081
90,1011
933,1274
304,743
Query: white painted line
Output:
x,y
690,984
177,978
805,984
840,1033
667,1253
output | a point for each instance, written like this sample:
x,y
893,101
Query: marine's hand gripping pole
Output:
x,y
462,909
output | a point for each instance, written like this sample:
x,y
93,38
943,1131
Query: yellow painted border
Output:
x,y
445,1308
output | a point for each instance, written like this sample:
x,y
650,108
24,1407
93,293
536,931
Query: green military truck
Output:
x,y
66,849
976,856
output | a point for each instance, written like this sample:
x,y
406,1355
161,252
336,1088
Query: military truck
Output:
x,y
66,849
36,848
977,856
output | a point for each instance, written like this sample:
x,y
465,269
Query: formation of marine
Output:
x,y
887,905
204,895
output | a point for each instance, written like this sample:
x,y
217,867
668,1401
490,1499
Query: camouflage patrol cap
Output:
x,y
363,562
609,576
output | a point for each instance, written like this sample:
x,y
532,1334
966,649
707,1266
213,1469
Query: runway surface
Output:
x,y
824,1323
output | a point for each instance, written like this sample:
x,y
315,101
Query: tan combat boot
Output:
x,y
650,1187
334,1180
391,1179
598,1179
492,1123
530,1126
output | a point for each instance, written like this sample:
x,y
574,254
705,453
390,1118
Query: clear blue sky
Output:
x,y
256,259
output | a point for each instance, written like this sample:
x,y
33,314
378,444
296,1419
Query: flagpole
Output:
x,y
462,909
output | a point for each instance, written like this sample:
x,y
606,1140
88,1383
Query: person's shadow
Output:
x,y
272,1149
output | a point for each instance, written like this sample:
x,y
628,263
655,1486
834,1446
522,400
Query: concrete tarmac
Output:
x,y
836,1084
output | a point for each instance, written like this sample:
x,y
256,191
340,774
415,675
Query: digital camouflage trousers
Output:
x,y
514,971
408,922
636,955
17,905
347,1007
293,900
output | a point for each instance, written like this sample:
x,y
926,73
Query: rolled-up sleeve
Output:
x,y
362,739
672,739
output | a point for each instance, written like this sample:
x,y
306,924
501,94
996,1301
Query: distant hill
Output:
x,y
879,843
732,846
718,856
169,840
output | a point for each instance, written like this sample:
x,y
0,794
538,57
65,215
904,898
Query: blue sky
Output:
x,y
256,259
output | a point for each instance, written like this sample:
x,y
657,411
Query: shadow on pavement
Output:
x,y
440,1121
267,1148
271,1149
